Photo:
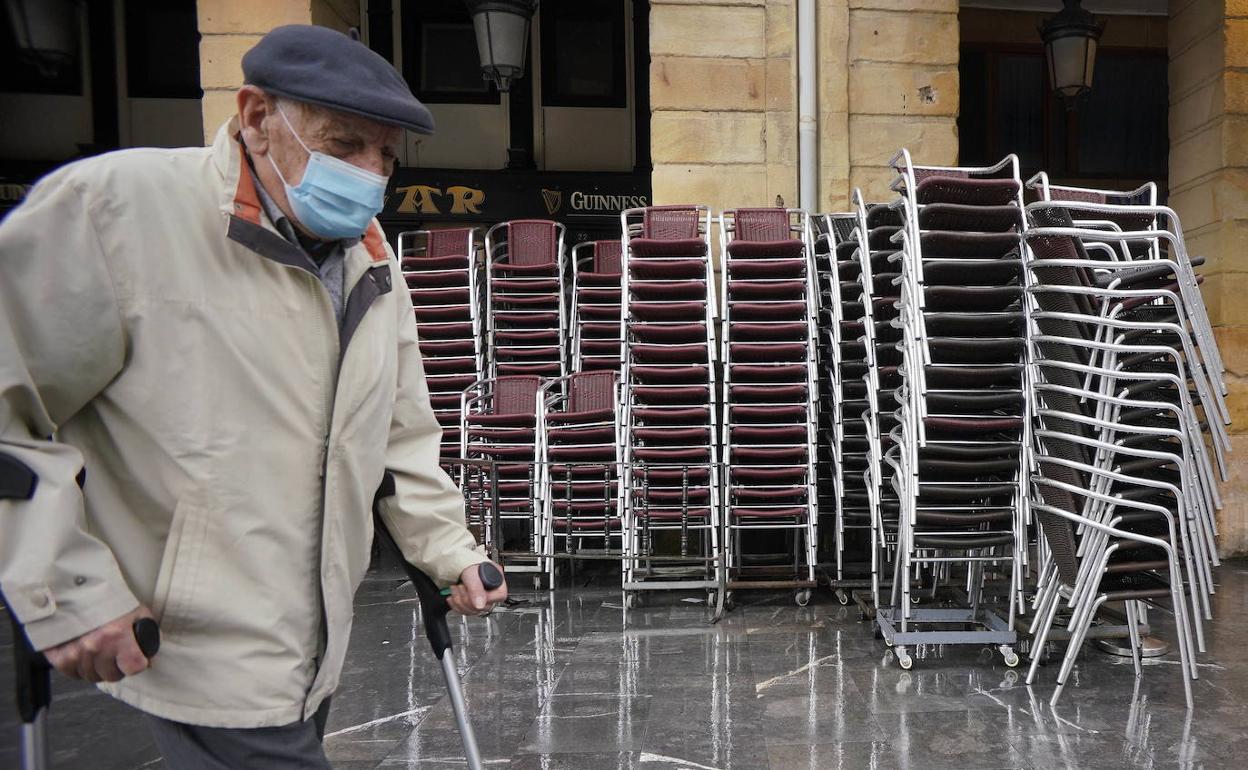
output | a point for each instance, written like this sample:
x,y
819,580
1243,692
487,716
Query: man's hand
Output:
x,y
107,654
469,597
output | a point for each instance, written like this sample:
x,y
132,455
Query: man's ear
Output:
x,y
254,106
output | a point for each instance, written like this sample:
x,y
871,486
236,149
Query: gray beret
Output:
x,y
322,66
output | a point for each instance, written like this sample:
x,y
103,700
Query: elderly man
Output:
x,y
221,338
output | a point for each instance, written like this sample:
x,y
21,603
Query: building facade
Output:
x,y
629,102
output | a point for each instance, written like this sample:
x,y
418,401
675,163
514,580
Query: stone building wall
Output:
x,y
1209,189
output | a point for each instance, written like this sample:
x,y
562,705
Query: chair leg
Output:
x,y
1078,630
1045,618
1133,629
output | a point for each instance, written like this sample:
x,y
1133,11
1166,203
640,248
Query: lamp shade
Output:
x,y
1070,43
502,29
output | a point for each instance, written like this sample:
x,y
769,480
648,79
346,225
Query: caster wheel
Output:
x,y
710,598
842,597
632,601
906,663
802,597
1011,659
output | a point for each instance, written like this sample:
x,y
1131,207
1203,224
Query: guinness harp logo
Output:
x,y
553,200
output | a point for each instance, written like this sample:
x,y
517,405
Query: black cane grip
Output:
x,y
147,634
491,576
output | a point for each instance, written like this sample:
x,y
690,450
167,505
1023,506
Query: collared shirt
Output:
x,y
325,258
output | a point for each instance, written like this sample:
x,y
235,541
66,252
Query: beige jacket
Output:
x,y
155,322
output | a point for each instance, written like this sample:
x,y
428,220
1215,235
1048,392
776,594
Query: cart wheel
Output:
x,y
1011,657
842,596
711,596
802,597
904,660
632,600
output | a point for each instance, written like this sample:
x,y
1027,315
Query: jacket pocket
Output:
x,y
179,565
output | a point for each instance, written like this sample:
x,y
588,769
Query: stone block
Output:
x,y
656,3
1233,345
1224,297
720,187
684,83
1233,518
735,32
874,182
834,141
782,185
919,38
1197,155
781,29
1195,67
218,106
934,6
1224,194
874,139
249,16
1224,245
781,138
220,59
708,137
781,84
877,88
1234,92
1196,110
1194,24
1237,42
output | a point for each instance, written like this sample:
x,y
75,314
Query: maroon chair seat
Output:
x,y
668,334
793,512
457,383
971,377
972,272
511,353
447,347
967,190
598,296
506,269
670,395
442,314
670,456
586,416
748,455
509,319
769,291
597,279
670,515
667,477
433,279
601,363
988,219
767,311
448,401
600,329
938,493
772,413
772,352
671,435
766,268
569,454
585,435
452,296
525,301
971,298
768,476
592,347
667,311
956,427
666,269
501,286
512,369
445,331
450,366
751,373
599,313
766,332
764,495
695,415
520,452
664,496
669,375
670,354
680,247
433,264
667,291
783,434
764,249
581,525
786,393
527,337
881,238
936,243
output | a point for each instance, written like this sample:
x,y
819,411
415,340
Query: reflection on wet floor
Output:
x,y
571,679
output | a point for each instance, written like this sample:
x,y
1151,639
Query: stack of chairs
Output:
x,y
1131,421
957,461
498,426
596,337
767,346
871,413
579,468
527,322
670,386
440,268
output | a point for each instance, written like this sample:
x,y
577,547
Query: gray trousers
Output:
x,y
295,746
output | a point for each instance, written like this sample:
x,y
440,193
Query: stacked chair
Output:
x,y
525,298
670,417
440,268
502,480
767,349
957,460
596,337
1131,419
579,468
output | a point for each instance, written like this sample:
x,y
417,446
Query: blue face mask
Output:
x,y
335,199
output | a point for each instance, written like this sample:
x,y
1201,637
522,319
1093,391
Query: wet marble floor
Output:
x,y
571,680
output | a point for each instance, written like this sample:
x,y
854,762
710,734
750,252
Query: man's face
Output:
x,y
357,140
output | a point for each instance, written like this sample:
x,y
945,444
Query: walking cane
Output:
x,y
31,669
434,608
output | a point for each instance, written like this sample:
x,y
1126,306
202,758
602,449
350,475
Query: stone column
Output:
x,y
1209,190
228,28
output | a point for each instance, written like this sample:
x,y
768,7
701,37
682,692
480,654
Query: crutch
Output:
x,y
31,669
434,608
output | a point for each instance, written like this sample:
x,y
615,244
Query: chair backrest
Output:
x,y
1059,532
591,391
532,242
607,257
515,394
449,243
771,224
670,223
